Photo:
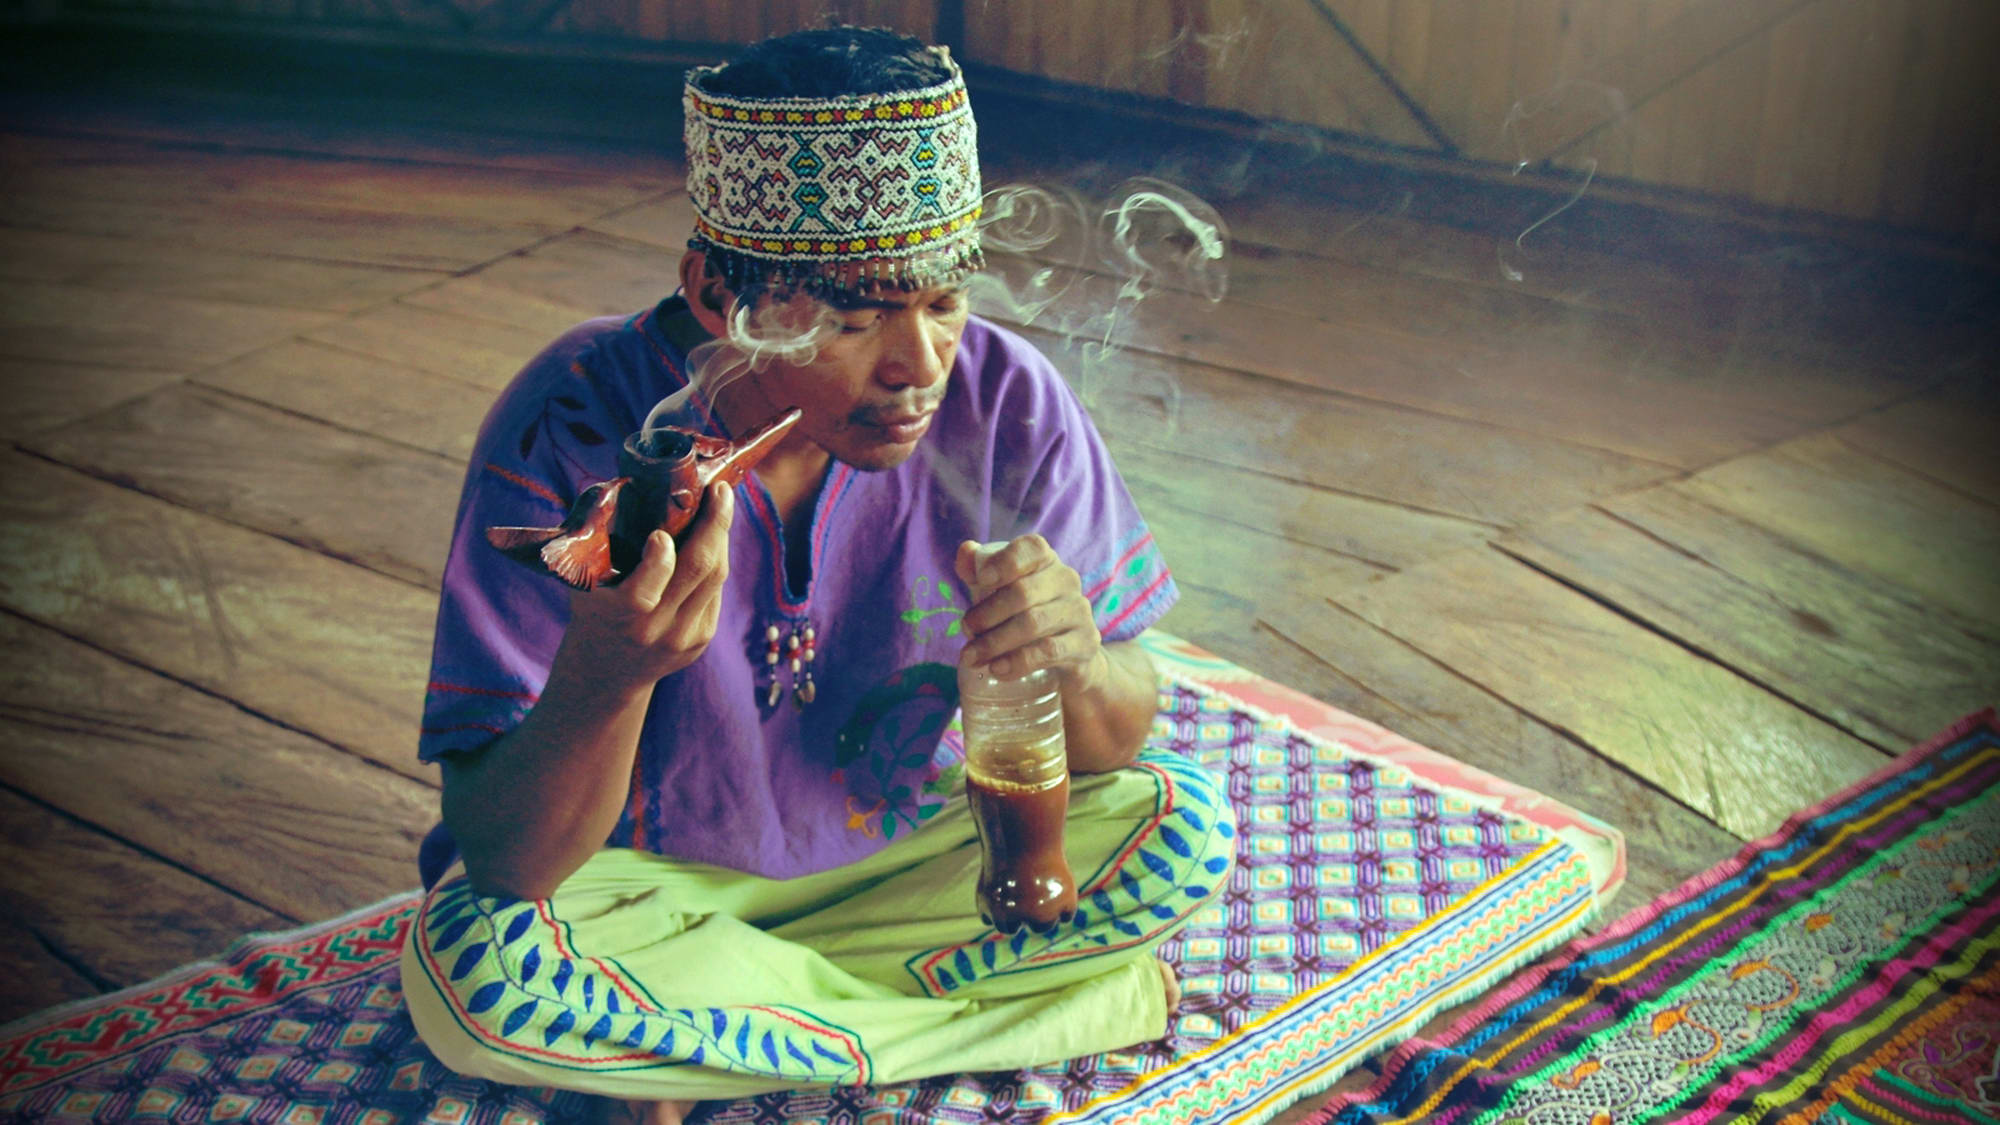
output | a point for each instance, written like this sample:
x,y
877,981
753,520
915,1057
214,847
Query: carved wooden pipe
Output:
x,y
665,473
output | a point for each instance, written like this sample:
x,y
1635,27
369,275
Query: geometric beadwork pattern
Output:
x,y
1363,899
886,176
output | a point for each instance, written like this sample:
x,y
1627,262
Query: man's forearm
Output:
x,y
1105,724
530,808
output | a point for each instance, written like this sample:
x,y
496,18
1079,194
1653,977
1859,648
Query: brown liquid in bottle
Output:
x,y
1017,783
1025,878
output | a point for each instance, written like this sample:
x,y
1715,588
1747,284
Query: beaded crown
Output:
x,y
844,193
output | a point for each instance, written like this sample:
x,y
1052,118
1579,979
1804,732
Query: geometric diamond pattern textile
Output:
x,y
1372,889
1845,969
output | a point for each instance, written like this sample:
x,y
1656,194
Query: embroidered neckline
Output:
x,y
790,639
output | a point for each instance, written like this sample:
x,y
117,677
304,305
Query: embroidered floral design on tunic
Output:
x,y
899,754
934,612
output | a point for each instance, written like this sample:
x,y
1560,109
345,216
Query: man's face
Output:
x,y
877,376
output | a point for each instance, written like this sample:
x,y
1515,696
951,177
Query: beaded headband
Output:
x,y
845,193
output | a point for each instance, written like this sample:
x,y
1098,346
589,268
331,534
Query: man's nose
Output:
x,y
914,353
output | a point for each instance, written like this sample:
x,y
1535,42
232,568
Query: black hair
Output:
x,y
828,62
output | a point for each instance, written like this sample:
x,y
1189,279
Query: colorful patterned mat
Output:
x,y
1842,970
1378,883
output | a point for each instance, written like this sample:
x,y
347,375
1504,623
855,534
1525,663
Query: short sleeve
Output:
x,y
499,622
1058,479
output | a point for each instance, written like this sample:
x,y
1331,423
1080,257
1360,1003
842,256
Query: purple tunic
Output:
x,y
722,776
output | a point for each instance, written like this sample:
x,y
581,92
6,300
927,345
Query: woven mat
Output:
x,y
1845,969
1378,883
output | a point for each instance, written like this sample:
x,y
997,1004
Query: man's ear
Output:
x,y
707,296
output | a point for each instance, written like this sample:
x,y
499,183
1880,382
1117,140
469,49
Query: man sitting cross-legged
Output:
x,y
672,867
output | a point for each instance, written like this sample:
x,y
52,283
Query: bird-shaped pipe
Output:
x,y
578,552
664,475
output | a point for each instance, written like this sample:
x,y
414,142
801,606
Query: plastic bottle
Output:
x,y
1017,780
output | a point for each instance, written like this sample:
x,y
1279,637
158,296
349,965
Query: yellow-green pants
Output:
x,y
648,977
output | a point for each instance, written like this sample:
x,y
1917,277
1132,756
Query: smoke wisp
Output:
x,y
790,331
1081,269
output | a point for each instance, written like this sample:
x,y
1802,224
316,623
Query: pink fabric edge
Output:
x,y
1638,917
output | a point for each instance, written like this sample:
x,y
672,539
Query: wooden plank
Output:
x,y
599,274
1731,751
1814,149
1881,664
478,350
1869,516
642,151
475,298
410,242
119,915
1960,188
1491,30
1062,36
32,977
1657,61
1435,464
313,643
1245,563
1536,74
1849,353
1692,126
1655,416
1210,618
1331,655
417,215
1381,536
37,395
382,506
287,822
149,331
1304,70
663,221
1785,106
72,170
1881,39
1920,88
1384,236
1737,136
1947,435
1691,312
357,392
1448,60
1124,23
177,269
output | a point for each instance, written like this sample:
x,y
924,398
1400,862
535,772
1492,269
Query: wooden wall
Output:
x,y
1881,110
1875,109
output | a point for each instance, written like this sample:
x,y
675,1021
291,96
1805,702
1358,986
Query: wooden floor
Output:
x,y
1687,527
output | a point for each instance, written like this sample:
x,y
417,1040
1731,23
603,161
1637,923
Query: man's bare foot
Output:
x,y
647,1113
1173,986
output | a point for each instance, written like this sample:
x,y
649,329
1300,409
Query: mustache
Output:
x,y
880,413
